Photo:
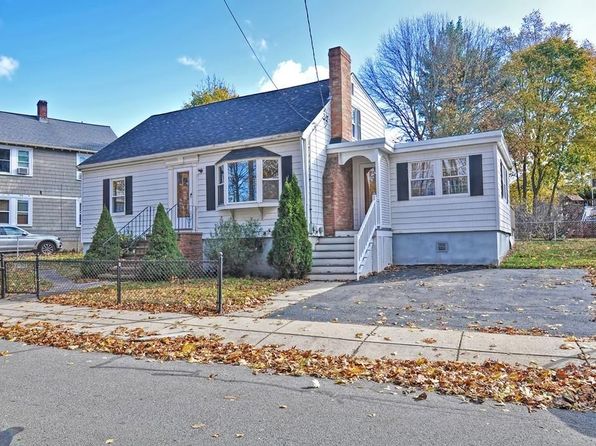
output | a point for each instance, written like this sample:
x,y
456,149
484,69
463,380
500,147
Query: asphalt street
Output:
x,y
66,397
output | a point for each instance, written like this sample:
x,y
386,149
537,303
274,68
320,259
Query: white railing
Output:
x,y
365,235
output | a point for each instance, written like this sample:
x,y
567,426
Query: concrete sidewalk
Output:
x,y
333,338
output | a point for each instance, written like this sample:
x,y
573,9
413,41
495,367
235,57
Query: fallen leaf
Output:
x,y
199,426
359,335
429,340
421,397
4,353
239,435
109,441
566,347
283,406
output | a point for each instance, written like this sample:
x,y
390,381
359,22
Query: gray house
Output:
x,y
40,186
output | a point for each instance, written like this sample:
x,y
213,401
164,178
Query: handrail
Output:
x,y
365,234
129,228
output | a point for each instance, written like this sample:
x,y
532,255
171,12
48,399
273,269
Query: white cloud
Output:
x,y
8,66
196,64
262,45
289,73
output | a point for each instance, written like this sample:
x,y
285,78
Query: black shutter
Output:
x,y
286,168
403,190
128,195
210,178
106,193
476,181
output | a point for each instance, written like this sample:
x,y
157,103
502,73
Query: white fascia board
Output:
x,y
375,106
198,150
365,144
46,146
313,124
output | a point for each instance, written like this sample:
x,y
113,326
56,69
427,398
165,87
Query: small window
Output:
x,y
23,212
4,211
78,213
5,160
422,179
270,179
118,196
220,184
455,176
356,126
23,159
80,158
242,181
504,183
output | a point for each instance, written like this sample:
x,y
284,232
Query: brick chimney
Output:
x,y
338,201
42,111
340,85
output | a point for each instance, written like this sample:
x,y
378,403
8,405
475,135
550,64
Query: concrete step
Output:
x,y
333,261
345,233
335,240
332,277
345,254
333,269
335,247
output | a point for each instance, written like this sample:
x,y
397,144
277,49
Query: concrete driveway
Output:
x,y
557,301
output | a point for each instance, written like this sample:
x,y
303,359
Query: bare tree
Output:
x,y
436,77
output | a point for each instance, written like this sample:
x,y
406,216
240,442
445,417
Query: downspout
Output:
x,y
306,174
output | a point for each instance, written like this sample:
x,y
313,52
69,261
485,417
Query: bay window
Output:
x,y
248,181
422,178
118,196
455,176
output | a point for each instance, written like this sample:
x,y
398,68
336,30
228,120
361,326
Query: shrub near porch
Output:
x,y
198,297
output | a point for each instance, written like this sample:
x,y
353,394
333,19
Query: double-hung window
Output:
x,y
270,179
118,196
15,161
5,160
220,184
78,213
422,178
454,176
80,158
356,125
504,183
15,210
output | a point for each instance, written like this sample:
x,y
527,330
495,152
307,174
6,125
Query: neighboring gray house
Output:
x,y
40,186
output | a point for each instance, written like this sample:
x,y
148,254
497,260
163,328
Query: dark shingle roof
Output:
x,y
248,152
246,117
27,130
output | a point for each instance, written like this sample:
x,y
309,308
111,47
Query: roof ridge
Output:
x,y
236,98
56,119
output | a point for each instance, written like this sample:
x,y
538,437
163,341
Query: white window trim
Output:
x,y
14,161
79,174
112,196
259,184
438,177
78,213
357,125
13,209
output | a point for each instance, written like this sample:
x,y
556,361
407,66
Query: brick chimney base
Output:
x,y
338,197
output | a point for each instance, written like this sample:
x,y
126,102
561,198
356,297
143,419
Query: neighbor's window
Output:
x,y
242,181
23,159
80,158
504,183
22,212
4,211
454,176
118,195
5,160
78,213
220,184
422,179
356,125
270,179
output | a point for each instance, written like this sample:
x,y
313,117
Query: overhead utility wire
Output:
x,y
314,57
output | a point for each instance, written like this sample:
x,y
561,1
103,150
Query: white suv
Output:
x,y
15,239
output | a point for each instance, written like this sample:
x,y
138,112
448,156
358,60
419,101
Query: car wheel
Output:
x,y
46,248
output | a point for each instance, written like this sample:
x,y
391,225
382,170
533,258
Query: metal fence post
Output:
x,y
37,275
119,283
2,277
220,284
555,229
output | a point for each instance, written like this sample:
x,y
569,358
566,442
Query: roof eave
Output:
x,y
47,146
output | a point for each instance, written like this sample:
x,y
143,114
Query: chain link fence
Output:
x,y
143,282
554,229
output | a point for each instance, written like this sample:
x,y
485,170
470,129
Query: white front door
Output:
x,y
183,217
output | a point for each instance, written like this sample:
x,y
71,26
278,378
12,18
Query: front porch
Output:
x,y
356,209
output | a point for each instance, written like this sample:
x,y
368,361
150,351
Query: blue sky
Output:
x,y
118,61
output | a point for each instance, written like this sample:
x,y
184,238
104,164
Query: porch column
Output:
x,y
338,196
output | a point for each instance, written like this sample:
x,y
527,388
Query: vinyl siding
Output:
x,y
446,213
153,183
371,121
385,190
504,207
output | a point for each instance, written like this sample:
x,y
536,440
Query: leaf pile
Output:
x,y
571,387
507,329
196,297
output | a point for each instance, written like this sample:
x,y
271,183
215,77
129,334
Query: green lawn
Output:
x,y
570,253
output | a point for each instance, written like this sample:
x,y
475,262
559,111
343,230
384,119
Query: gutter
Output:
x,y
39,146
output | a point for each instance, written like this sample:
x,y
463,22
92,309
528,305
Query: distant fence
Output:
x,y
147,281
554,230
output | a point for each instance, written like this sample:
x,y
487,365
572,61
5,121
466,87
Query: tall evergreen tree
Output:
x,y
105,244
291,253
163,243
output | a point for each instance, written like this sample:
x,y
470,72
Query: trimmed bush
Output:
x,y
163,259
105,247
291,254
237,241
